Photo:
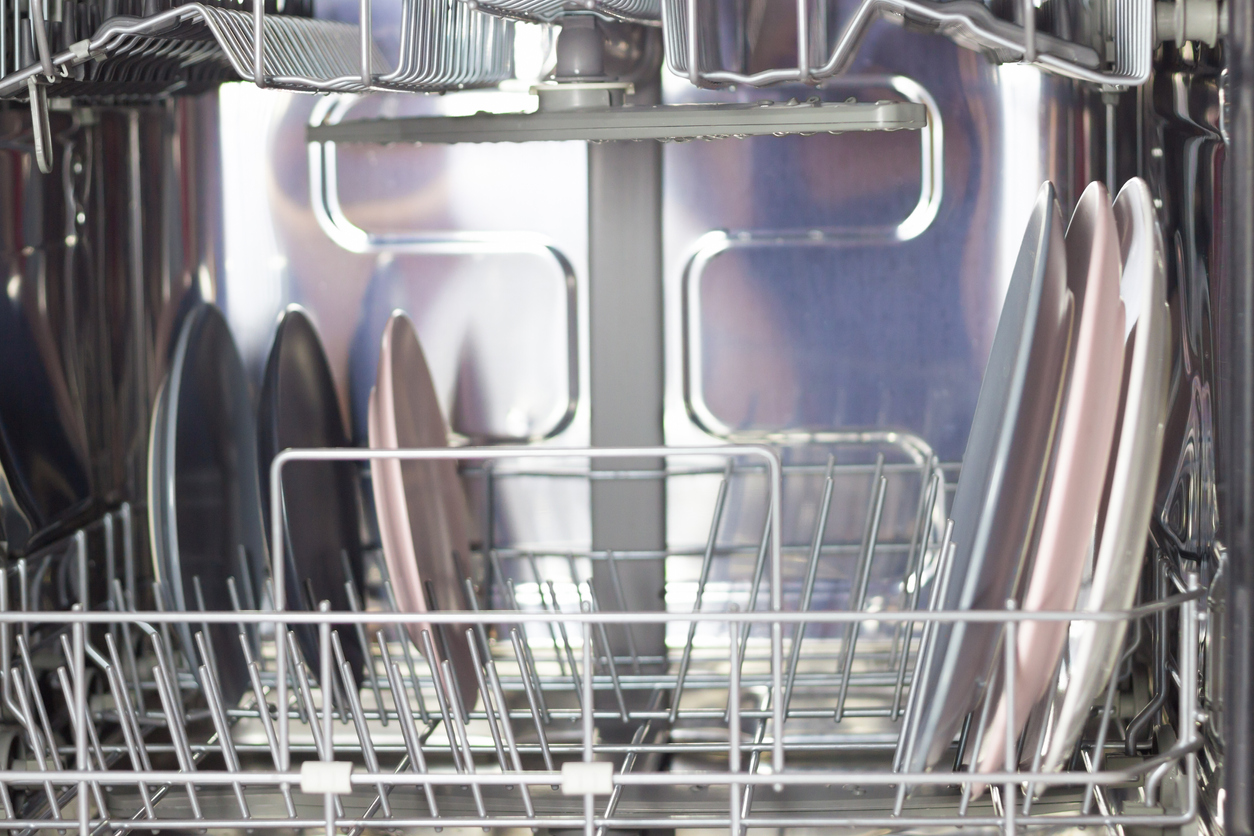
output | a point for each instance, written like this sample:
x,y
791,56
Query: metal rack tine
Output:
x,y
206,648
128,645
707,560
242,571
463,737
359,718
617,582
917,548
807,591
1042,739
480,629
544,602
529,661
267,723
442,699
525,675
221,725
402,638
914,575
237,604
570,653
609,655
67,653
862,577
508,728
164,605
354,604
759,570
41,710
998,683
131,734
67,691
910,721
178,736
1099,747
324,743
405,717
35,739
491,710
629,761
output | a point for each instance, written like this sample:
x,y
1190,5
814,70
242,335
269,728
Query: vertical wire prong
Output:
x,y
178,736
617,582
359,720
807,590
529,689
530,662
861,579
405,717
609,657
267,722
354,604
450,685
129,726
707,560
544,602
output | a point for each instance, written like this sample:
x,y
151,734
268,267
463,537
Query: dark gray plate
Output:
x,y
1003,474
44,450
206,461
298,408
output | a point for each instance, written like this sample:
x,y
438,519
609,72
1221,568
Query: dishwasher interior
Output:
x,y
706,290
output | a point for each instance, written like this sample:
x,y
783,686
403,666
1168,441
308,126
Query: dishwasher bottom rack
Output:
x,y
782,698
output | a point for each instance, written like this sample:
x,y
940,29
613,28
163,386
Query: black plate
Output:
x,y
207,453
299,408
43,436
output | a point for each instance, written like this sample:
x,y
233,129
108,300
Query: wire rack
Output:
x,y
717,32
783,699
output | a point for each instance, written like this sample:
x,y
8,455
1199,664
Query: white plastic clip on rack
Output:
x,y
784,701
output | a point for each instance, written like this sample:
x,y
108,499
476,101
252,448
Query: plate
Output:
x,y
157,486
44,448
1003,473
205,472
298,408
424,510
1085,437
1095,646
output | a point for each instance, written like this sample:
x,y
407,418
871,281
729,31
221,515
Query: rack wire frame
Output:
x,y
1131,40
94,781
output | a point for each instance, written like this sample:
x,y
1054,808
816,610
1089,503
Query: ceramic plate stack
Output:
x,y
299,408
1081,455
204,503
1003,474
424,523
1095,646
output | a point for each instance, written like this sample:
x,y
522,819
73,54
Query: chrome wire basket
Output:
x,y
783,697
1116,48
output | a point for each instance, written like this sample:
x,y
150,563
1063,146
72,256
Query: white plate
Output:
x,y
1086,432
1095,646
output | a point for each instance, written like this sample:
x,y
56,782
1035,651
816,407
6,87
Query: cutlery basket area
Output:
x,y
772,685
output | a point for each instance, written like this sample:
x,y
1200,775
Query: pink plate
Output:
x,y
424,522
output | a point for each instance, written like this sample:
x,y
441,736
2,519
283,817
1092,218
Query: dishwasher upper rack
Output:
x,y
445,45
716,32
544,744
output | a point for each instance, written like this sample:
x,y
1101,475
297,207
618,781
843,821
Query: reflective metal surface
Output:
x,y
853,281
